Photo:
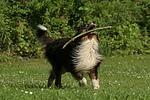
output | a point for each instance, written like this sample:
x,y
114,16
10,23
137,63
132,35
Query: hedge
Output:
x,y
130,20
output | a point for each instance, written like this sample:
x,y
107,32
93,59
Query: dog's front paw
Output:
x,y
83,82
96,87
95,83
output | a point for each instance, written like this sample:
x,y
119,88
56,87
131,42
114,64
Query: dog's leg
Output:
x,y
51,78
58,79
80,78
57,70
94,78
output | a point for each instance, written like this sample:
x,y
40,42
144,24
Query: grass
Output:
x,y
121,78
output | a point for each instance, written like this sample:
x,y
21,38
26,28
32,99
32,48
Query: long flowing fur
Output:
x,y
79,57
86,55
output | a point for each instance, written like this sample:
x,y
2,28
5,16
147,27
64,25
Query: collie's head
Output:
x,y
90,35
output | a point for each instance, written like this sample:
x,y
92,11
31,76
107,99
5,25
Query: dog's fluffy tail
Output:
x,y
43,39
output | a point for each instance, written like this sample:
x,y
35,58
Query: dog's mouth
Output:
x,y
92,33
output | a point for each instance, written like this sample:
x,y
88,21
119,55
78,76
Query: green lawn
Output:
x,y
121,78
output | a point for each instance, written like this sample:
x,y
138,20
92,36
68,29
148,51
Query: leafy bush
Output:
x,y
129,18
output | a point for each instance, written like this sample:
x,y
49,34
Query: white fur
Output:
x,y
83,82
41,27
86,55
95,84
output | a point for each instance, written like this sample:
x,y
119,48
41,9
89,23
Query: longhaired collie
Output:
x,y
78,57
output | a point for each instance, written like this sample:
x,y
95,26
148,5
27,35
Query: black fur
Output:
x,y
62,59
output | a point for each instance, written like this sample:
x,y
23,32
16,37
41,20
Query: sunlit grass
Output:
x,y
121,78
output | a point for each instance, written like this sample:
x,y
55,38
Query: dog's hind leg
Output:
x,y
58,79
51,78
94,78
80,78
57,71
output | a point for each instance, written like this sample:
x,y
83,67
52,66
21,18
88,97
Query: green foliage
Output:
x,y
127,40
130,20
16,33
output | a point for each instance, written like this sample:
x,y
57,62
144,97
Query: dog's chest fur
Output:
x,y
86,55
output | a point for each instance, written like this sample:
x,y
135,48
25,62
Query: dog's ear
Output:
x,y
77,28
94,22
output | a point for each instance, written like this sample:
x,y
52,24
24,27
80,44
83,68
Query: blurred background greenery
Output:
x,y
130,20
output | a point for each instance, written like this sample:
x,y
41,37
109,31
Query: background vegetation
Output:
x,y
130,20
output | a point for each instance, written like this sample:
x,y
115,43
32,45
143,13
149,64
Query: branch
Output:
x,y
96,29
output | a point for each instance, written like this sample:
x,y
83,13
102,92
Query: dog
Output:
x,y
80,56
